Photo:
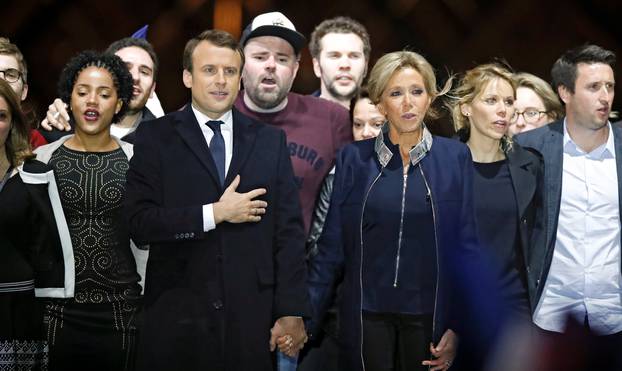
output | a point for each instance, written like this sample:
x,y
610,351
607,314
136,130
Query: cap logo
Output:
x,y
278,22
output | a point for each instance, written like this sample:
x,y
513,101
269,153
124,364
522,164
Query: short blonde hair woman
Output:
x,y
392,234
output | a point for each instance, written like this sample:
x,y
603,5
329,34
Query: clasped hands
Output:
x,y
288,333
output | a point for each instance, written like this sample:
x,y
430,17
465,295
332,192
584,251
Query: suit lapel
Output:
x,y
188,128
617,143
244,135
523,180
553,153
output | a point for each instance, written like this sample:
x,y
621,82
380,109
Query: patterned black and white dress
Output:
x,y
97,328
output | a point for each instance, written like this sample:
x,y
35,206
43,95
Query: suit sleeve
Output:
x,y
148,219
327,265
291,297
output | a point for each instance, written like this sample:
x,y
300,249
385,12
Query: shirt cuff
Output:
x,y
208,218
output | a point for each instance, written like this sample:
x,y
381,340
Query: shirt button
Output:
x,y
217,304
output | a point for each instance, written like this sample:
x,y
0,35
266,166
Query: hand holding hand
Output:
x,y
444,353
234,207
56,117
289,333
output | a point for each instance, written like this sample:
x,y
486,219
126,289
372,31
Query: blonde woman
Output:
x,y
400,217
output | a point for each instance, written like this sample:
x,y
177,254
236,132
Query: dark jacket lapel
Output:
x,y
188,128
617,142
523,180
553,153
244,134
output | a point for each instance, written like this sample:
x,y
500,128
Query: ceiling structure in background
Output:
x,y
453,34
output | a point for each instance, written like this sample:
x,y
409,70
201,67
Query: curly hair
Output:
x,y
342,25
121,77
17,144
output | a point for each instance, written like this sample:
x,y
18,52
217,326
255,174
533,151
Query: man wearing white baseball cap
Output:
x,y
315,128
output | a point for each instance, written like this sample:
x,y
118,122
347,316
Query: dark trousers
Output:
x,y
393,342
579,349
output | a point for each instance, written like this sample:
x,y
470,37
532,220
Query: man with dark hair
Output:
x,y
315,128
212,192
340,50
142,62
575,270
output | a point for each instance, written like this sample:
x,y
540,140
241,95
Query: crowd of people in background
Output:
x,y
256,228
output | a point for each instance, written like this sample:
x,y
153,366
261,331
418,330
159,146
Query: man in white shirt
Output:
x,y
575,271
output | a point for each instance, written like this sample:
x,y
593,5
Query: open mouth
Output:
x,y
268,81
91,115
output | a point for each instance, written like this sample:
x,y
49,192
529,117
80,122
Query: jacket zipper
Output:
x,y
438,270
399,238
361,262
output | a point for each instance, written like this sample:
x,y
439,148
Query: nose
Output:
x,y
135,74
220,77
270,63
367,131
407,100
344,63
92,98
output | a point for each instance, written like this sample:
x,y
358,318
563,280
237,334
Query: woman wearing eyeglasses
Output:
x,y
507,189
536,104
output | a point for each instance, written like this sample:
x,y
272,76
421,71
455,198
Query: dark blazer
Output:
x,y
549,141
449,175
211,298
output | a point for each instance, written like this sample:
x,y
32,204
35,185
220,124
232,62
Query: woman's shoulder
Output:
x,y
448,146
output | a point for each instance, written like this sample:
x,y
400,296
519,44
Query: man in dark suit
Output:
x,y
575,269
213,194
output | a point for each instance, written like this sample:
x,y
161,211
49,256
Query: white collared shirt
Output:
x,y
227,133
584,277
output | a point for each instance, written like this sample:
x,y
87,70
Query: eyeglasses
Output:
x,y
11,74
531,116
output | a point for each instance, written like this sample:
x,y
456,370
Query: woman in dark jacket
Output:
x,y
22,341
507,186
400,227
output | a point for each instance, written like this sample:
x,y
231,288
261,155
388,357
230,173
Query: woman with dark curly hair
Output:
x,y
80,250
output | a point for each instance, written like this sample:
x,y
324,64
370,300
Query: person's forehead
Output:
x,y
8,61
135,55
334,41
269,44
208,53
587,70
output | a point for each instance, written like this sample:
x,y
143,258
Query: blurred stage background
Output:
x,y
453,35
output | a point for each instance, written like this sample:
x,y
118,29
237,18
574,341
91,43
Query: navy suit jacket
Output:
x,y
549,141
259,267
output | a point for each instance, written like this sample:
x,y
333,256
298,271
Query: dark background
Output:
x,y
453,35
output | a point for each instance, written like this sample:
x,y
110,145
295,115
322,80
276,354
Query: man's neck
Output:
x,y
255,108
345,103
585,138
129,120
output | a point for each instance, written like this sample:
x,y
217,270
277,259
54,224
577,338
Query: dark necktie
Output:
x,y
217,148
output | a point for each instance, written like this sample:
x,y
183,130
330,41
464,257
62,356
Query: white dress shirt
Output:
x,y
227,134
584,277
